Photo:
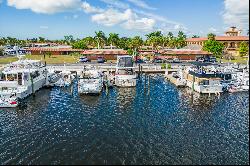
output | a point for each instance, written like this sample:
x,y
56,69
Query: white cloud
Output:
x,y
112,17
117,4
143,24
43,27
45,6
236,13
213,30
142,4
87,8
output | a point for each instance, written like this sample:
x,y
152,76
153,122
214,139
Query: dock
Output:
x,y
73,68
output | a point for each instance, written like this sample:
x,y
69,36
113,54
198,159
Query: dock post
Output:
x,y
193,84
148,84
32,85
139,74
141,70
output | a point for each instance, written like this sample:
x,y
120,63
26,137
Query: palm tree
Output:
x,y
195,36
154,41
211,36
181,39
134,44
100,38
164,41
41,39
113,39
90,42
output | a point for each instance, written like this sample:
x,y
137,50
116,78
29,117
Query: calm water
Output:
x,y
127,126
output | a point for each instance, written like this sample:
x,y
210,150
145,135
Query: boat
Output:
x,y
21,79
125,75
65,80
241,83
203,78
90,82
177,77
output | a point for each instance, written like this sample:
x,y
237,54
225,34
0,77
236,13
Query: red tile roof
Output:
x,y
220,38
53,49
184,52
104,52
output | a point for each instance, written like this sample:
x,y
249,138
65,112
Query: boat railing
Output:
x,y
206,75
8,84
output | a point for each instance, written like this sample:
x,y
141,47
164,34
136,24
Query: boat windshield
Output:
x,y
125,62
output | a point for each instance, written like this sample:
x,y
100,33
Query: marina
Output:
x,y
124,82
25,77
127,126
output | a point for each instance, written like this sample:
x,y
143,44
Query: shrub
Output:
x,y
169,66
163,66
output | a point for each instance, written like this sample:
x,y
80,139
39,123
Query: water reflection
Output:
x,y
90,100
125,96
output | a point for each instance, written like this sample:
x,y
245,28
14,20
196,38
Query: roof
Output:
x,y
220,38
52,49
184,52
104,52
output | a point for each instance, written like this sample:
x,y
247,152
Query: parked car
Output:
x,y
100,59
84,59
158,60
176,60
139,61
212,59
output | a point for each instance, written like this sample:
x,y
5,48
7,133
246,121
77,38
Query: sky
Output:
x,y
53,19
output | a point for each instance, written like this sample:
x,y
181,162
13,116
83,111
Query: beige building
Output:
x,y
231,41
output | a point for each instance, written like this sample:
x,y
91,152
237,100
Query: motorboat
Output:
x,y
90,82
21,79
203,78
125,75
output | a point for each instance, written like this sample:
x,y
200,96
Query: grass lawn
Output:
x,y
53,59
6,60
239,60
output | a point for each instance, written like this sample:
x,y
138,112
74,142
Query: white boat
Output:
x,y
90,82
65,80
125,75
19,80
177,77
241,82
203,78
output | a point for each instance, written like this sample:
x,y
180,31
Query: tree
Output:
x,y
243,49
135,43
1,51
100,38
69,39
123,43
89,41
113,39
154,39
80,45
171,40
211,36
41,39
213,46
195,36
156,33
181,39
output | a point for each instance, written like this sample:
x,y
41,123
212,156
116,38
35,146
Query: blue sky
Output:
x,y
54,19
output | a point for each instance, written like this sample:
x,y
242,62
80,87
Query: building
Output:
x,y
108,54
52,50
231,41
184,54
